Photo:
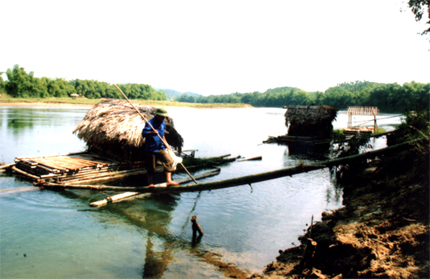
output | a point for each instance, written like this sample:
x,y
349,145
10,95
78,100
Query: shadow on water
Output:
x,y
18,120
311,154
153,214
308,150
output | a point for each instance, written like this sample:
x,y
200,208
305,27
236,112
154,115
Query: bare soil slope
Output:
x,y
382,232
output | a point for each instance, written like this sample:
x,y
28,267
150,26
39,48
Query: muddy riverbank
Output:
x,y
382,230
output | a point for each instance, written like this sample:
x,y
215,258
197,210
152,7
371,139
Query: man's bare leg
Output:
x,y
149,178
169,180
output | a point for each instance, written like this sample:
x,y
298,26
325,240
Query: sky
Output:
x,y
216,47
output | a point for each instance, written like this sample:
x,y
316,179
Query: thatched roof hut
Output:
x,y
113,128
310,121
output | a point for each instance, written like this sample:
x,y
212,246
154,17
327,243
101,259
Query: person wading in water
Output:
x,y
156,149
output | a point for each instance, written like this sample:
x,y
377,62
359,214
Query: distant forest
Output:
x,y
21,84
387,97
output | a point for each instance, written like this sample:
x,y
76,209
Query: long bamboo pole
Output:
x,y
165,143
119,197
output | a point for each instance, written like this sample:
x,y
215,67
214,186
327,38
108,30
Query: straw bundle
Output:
x,y
312,121
113,128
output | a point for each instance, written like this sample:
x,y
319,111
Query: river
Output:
x,y
50,234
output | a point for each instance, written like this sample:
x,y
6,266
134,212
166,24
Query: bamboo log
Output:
x,y
43,166
28,161
229,160
206,165
49,168
220,157
89,173
25,173
26,168
33,169
7,166
110,176
105,175
114,198
251,159
49,176
188,150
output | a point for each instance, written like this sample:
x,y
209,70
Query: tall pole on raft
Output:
x,y
143,117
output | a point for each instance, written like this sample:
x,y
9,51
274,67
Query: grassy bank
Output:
x,y
5,100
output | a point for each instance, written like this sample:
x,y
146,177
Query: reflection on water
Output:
x,y
151,236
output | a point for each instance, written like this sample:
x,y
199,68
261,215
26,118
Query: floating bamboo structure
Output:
x,y
310,121
87,168
307,126
75,168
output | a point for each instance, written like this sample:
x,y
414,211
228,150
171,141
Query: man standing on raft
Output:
x,y
155,148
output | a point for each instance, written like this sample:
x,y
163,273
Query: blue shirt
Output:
x,y
152,142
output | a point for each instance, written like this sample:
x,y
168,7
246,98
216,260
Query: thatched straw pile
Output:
x,y
310,121
113,128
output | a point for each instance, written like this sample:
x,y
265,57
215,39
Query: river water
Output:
x,y
49,234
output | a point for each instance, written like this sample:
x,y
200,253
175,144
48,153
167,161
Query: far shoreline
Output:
x,y
40,104
92,102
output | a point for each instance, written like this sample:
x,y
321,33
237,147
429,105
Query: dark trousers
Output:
x,y
151,159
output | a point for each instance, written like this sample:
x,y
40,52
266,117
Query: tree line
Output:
x,y
387,97
20,84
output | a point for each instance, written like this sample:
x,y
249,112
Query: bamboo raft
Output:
x,y
81,168
307,126
74,168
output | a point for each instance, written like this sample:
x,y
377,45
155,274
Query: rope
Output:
x,y
367,121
